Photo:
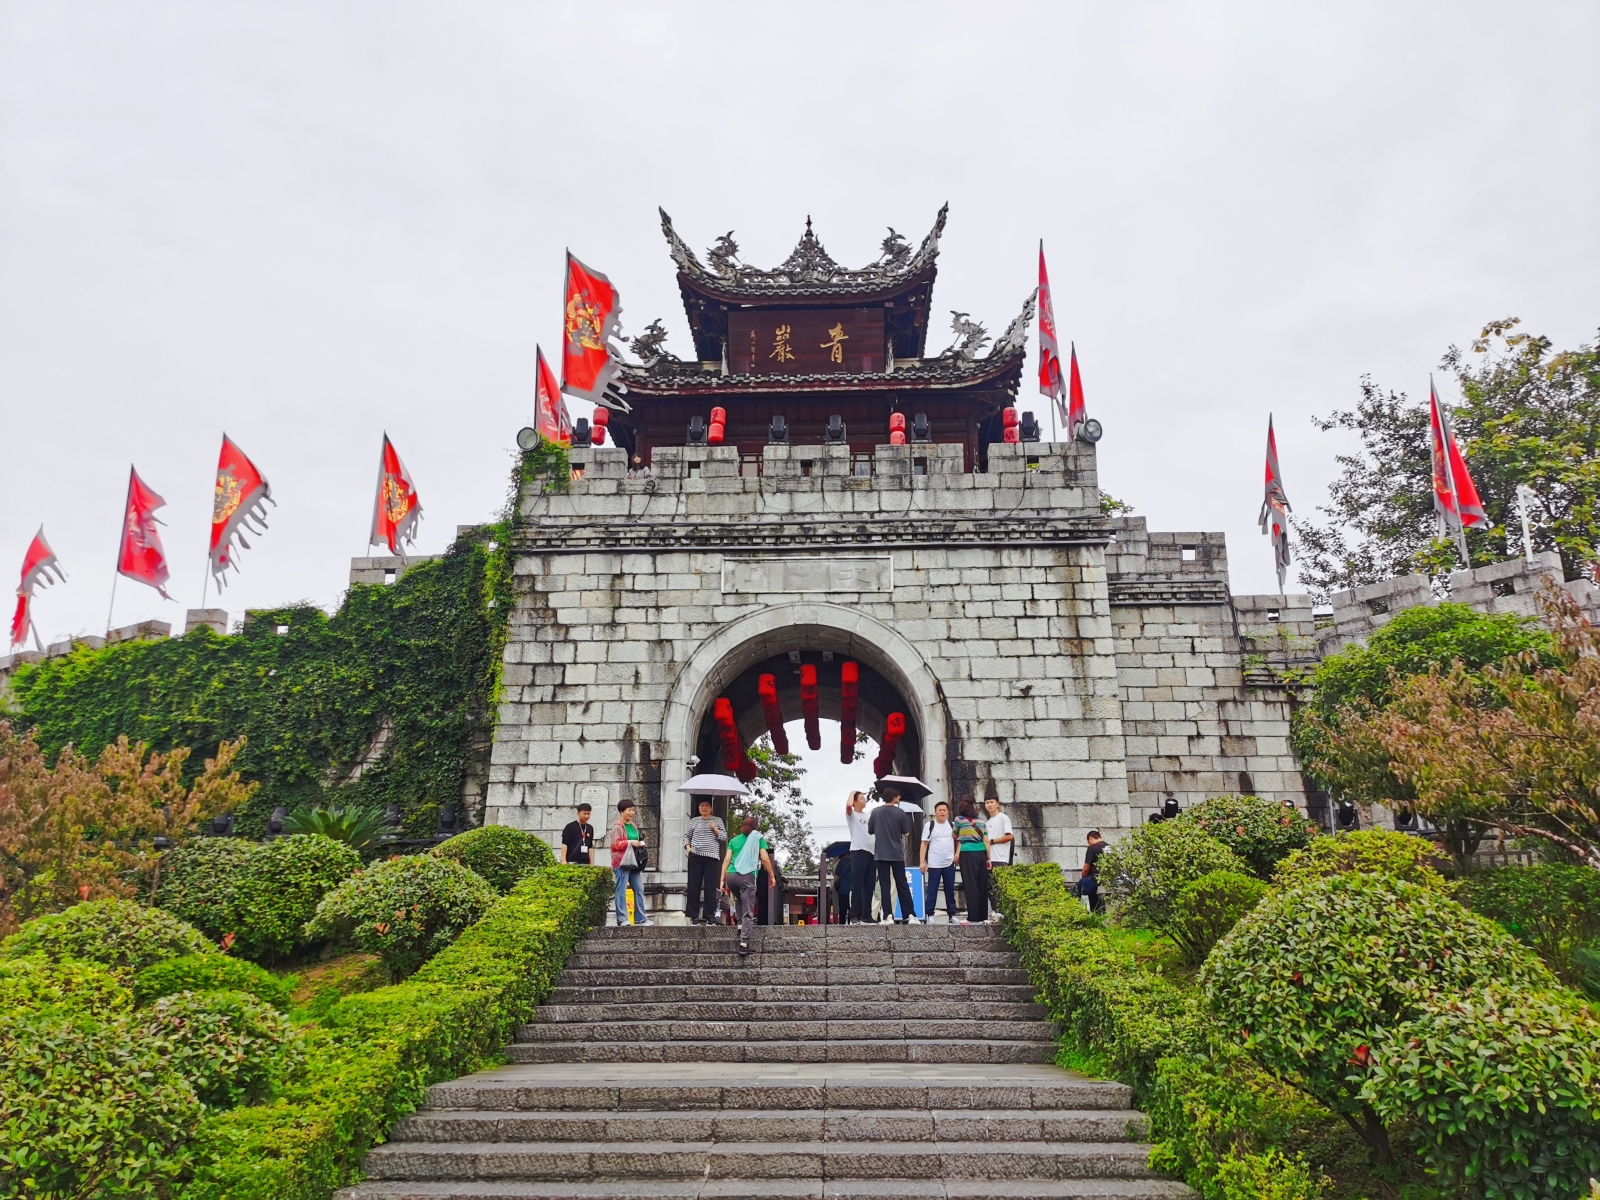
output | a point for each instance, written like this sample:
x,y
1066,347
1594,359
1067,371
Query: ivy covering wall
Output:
x,y
418,659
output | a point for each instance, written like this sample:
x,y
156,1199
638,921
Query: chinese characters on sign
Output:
x,y
769,575
806,341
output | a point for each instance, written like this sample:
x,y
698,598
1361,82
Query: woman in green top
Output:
x,y
747,851
625,845
972,853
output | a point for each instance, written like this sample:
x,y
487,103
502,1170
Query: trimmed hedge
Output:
x,y
1363,852
1209,907
1262,832
211,973
118,934
33,983
502,855
228,1045
1553,907
374,1055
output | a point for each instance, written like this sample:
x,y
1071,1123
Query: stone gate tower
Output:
x,y
1039,650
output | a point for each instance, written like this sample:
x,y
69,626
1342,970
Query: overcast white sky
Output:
x,y
306,223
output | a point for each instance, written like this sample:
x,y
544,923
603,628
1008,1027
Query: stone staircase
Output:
x,y
856,1061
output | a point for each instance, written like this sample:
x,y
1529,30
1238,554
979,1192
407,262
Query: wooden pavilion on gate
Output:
x,y
810,340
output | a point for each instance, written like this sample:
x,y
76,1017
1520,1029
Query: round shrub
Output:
x,y
502,855
1363,852
211,973
1502,1089
1145,871
404,910
229,1046
263,894
1209,907
89,1109
198,880
1311,977
114,933
1262,832
1553,907
34,984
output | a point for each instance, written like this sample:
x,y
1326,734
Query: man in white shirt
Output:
x,y
1001,840
862,869
939,864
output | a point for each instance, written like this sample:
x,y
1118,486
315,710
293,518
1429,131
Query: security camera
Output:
x,y
694,761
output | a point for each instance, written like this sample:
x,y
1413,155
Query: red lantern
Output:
x,y
897,422
767,689
719,416
897,437
894,728
849,689
714,434
808,705
601,418
1009,418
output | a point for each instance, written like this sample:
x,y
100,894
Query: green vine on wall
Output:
x,y
413,666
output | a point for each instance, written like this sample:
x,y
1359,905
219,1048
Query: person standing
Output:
x,y
939,864
626,843
1002,841
577,839
748,851
972,851
888,825
861,865
703,841
1088,881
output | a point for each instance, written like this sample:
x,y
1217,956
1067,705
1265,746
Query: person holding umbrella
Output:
x,y
889,825
747,850
703,840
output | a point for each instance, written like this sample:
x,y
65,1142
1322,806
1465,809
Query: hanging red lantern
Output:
x,y
767,689
894,728
849,689
808,705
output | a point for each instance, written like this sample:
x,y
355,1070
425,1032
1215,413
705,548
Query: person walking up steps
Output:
x,y
888,825
861,865
747,851
703,841
939,864
626,848
972,851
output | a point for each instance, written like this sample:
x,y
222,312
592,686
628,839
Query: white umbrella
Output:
x,y
714,785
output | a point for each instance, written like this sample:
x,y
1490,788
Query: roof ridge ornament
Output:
x,y
1015,339
808,264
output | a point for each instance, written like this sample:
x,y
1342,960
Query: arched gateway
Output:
x,y
1042,652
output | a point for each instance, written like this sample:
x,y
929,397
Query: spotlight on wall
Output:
x,y
697,432
449,822
1029,427
1345,815
921,428
275,821
835,431
1090,431
222,826
1405,821
1169,807
582,435
528,438
778,434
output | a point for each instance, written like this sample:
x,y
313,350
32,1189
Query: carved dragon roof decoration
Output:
x,y
809,269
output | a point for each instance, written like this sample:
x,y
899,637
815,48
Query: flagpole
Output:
x,y
113,606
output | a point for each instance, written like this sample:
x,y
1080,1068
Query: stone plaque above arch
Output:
x,y
757,576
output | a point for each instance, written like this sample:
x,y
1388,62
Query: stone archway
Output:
x,y
735,647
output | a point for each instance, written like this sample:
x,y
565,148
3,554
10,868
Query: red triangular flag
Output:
x,y
38,566
240,493
1275,507
1455,497
592,310
398,508
1050,382
141,555
1077,410
551,418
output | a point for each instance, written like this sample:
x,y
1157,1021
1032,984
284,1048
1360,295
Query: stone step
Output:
x,y
714,1091
700,1009
775,1189
758,1160
799,937
755,972
967,995
774,1125
729,956
811,1051
768,1031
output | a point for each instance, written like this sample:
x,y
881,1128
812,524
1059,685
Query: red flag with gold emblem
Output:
x,y
238,504
592,311
552,420
39,566
141,555
1050,381
398,508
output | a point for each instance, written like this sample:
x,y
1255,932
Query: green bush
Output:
x,y
114,933
34,984
1273,1175
263,894
1145,871
228,1045
502,855
86,1110
377,1052
1310,979
404,910
1502,1088
1552,907
211,973
1262,832
1209,907
1363,852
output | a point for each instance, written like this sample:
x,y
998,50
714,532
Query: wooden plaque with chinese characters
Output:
x,y
805,341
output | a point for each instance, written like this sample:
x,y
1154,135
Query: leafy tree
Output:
x,y
1528,416
1333,733
778,806
1521,754
85,829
